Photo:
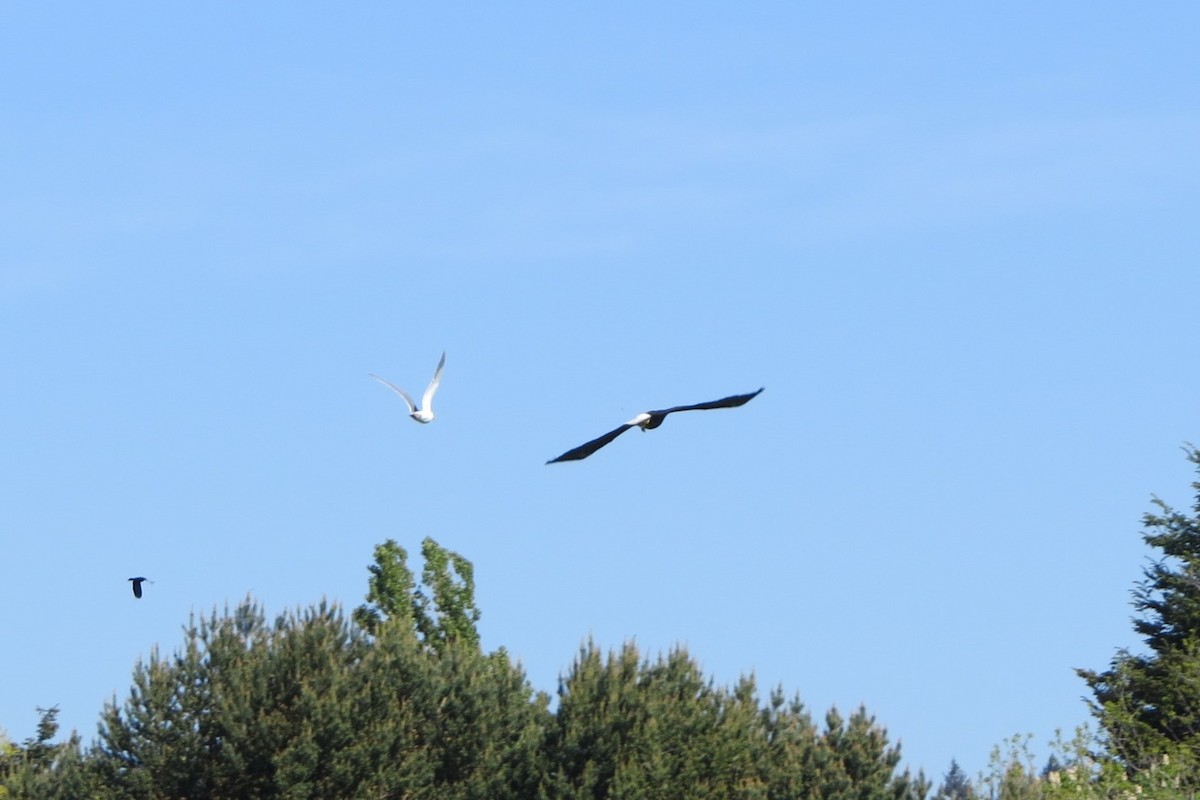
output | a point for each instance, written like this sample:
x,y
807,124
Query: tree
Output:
x,y
955,784
246,708
653,730
400,701
450,614
1148,704
445,613
404,704
857,763
40,768
1077,769
389,590
660,730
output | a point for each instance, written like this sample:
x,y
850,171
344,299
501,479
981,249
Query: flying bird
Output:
x,y
425,412
649,420
137,587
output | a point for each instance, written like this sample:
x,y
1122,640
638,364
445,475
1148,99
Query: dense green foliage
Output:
x,y
1148,704
401,702
633,729
39,768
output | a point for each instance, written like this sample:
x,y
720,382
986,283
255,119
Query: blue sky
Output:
x,y
957,245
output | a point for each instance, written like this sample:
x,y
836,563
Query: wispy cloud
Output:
x,y
1007,171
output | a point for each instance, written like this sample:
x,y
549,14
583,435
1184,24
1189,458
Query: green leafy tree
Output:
x,y
448,614
1148,704
441,613
1077,770
390,590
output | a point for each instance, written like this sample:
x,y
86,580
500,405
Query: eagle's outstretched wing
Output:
x,y
586,449
733,401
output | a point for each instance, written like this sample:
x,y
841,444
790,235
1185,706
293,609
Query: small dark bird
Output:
x,y
649,420
137,587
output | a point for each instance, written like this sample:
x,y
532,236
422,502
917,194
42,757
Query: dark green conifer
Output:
x,y
1148,703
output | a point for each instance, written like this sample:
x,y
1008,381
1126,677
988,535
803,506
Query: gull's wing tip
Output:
x,y
434,383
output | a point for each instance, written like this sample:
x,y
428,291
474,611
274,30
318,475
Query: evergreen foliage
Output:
x,y
39,768
955,784
1148,704
650,730
313,706
400,701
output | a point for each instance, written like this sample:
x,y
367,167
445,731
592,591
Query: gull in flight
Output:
x,y
137,587
425,412
648,420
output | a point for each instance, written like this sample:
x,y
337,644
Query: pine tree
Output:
x,y
312,706
955,784
402,702
788,749
1148,704
857,763
661,731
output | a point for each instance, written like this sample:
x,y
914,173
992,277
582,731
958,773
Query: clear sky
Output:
x,y
957,245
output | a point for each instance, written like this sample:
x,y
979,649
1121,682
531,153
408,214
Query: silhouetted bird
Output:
x,y
137,587
425,412
649,420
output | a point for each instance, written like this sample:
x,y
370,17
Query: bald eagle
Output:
x,y
648,420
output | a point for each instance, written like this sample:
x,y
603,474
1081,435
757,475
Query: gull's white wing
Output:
x,y
407,400
427,398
